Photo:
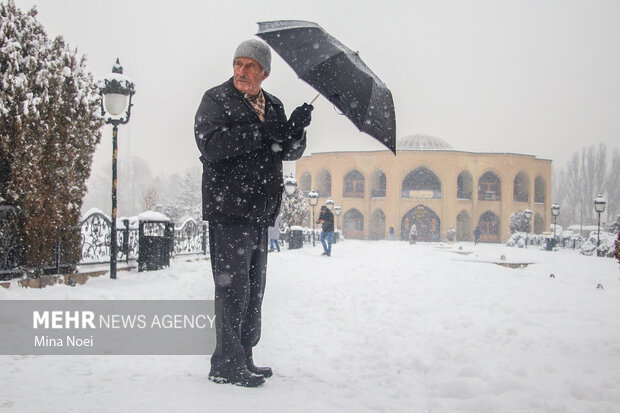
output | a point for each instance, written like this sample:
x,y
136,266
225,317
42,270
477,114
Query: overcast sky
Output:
x,y
537,77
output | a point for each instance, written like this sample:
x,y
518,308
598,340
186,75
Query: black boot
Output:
x,y
237,376
262,371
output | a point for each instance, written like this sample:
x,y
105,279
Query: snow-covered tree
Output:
x,y
612,188
585,176
189,197
617,252
520,223
294,209
50,126
134,175
150,198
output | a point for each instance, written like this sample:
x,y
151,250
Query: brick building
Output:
x,y
432,185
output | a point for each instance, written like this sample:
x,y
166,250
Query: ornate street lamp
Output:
x,y
116,91
528,214
555,211
290,185
330,204
599,207
337,209
313,200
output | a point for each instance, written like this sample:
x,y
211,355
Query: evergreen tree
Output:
x,y
49,130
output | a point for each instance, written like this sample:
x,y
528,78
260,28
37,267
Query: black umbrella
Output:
x,y
337,73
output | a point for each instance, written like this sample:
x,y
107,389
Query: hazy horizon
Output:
x,y
531,77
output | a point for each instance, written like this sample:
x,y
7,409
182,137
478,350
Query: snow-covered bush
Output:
x,y
568,239
606,248
49,106
451,235
518,240
519,223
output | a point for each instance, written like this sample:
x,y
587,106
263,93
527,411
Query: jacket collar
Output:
x,y
269,98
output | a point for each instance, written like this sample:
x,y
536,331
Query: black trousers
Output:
x,y
239,264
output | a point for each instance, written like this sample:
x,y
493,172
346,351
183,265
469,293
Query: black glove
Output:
x,y
301,116
277,130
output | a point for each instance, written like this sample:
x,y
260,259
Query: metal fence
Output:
x,y
190,238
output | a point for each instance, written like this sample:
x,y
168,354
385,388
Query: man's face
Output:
x,y
248,75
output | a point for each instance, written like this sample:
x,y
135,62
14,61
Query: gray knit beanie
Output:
x,y
257,50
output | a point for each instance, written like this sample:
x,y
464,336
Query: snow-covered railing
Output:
x,y
94,238
95,232
190,238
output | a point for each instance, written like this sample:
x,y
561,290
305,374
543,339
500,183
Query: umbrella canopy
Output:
x,y
337,73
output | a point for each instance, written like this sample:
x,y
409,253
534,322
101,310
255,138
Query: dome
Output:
x,y
421,142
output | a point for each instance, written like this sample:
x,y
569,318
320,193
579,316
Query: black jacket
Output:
x,y
328,220
242,169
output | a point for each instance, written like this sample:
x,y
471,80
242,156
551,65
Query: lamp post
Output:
x,y
337,209
313,200
116,91
329,204
599,206
555,211
528,215
290,185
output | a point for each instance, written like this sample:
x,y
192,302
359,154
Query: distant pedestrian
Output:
x,y
391,233
413,234
477,234
274,235
327,219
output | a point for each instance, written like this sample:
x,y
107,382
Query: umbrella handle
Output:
x,y
335,108
315,98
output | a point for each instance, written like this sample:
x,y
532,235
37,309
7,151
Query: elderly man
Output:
x,y
243,136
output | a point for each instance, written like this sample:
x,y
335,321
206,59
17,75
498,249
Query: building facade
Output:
x,y
431,185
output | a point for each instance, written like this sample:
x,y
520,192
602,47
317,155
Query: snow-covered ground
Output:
x,y
379,326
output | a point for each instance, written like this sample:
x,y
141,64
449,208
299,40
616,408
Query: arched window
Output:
x,y
489,227
521,192
464,185
305,183
540,189
378,184
376,226
421,183
489,187
324,184
353,185
539,224
464,231
353,222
